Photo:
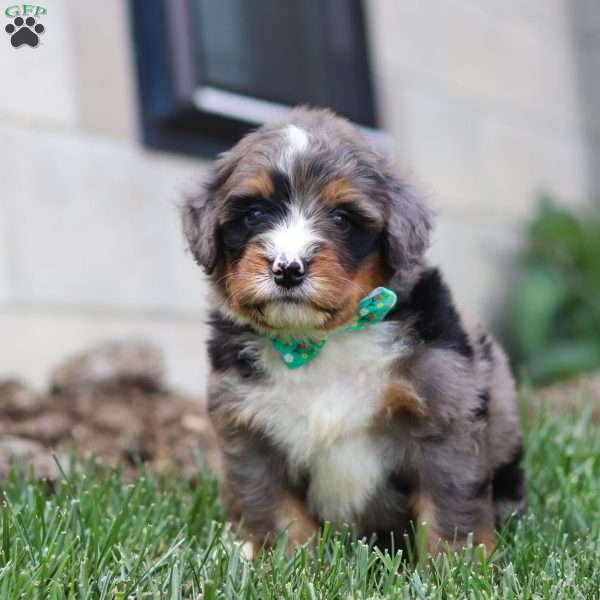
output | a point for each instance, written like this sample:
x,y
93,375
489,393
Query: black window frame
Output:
x,y
170,119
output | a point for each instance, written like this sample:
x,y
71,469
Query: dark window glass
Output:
x,y
225,65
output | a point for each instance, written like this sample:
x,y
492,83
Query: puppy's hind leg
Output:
x,y
443,529
508,487
454,500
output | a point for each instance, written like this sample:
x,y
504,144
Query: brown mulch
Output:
x,y
110,402
570,394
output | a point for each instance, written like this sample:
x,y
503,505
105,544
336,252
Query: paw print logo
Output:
x,y
24,31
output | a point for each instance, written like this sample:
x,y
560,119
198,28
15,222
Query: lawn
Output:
x,y
91,535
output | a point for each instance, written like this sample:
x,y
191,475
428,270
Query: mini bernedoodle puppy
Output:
x,y
345,386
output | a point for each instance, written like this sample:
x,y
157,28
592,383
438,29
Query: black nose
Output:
x,y
288,275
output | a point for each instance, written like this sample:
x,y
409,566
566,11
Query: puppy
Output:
x,y
321,414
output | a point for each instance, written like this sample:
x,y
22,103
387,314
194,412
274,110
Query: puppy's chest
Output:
x,y
322,415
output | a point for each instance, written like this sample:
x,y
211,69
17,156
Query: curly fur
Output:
x,y
413,419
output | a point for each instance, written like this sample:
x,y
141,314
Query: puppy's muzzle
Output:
x,y
288,273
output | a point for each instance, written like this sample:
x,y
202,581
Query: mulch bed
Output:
x,y
110,402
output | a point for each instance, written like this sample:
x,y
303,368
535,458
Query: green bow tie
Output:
x,y
371,309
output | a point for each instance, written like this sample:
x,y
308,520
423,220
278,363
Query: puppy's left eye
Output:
x,y
253,217
342,220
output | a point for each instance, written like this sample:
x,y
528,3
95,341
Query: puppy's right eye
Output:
x,y
342,220
253,217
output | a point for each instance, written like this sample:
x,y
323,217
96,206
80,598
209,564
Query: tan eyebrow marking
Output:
x,y
260,184
338,191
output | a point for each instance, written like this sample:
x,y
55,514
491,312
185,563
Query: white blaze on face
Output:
x,y
296,142
293,239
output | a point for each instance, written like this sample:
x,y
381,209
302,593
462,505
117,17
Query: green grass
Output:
x,y
93,536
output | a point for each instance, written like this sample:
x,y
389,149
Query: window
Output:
x,y
211,70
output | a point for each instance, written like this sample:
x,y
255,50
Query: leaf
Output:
x,y
537,300
564,360
555,307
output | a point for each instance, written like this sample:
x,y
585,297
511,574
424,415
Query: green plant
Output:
x,y
555,311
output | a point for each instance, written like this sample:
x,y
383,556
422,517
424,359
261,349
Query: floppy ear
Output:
x,y
408,227
199,220
199,216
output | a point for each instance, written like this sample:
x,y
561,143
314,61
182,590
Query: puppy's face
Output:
x,y
295,226
299,250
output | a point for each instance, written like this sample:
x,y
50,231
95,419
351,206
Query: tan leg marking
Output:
x,y
425,512
293,517
486,536
400,396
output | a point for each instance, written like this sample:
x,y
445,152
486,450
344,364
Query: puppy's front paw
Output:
x,y
247,551
294,518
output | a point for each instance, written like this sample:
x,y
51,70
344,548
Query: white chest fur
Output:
x,y
321,416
